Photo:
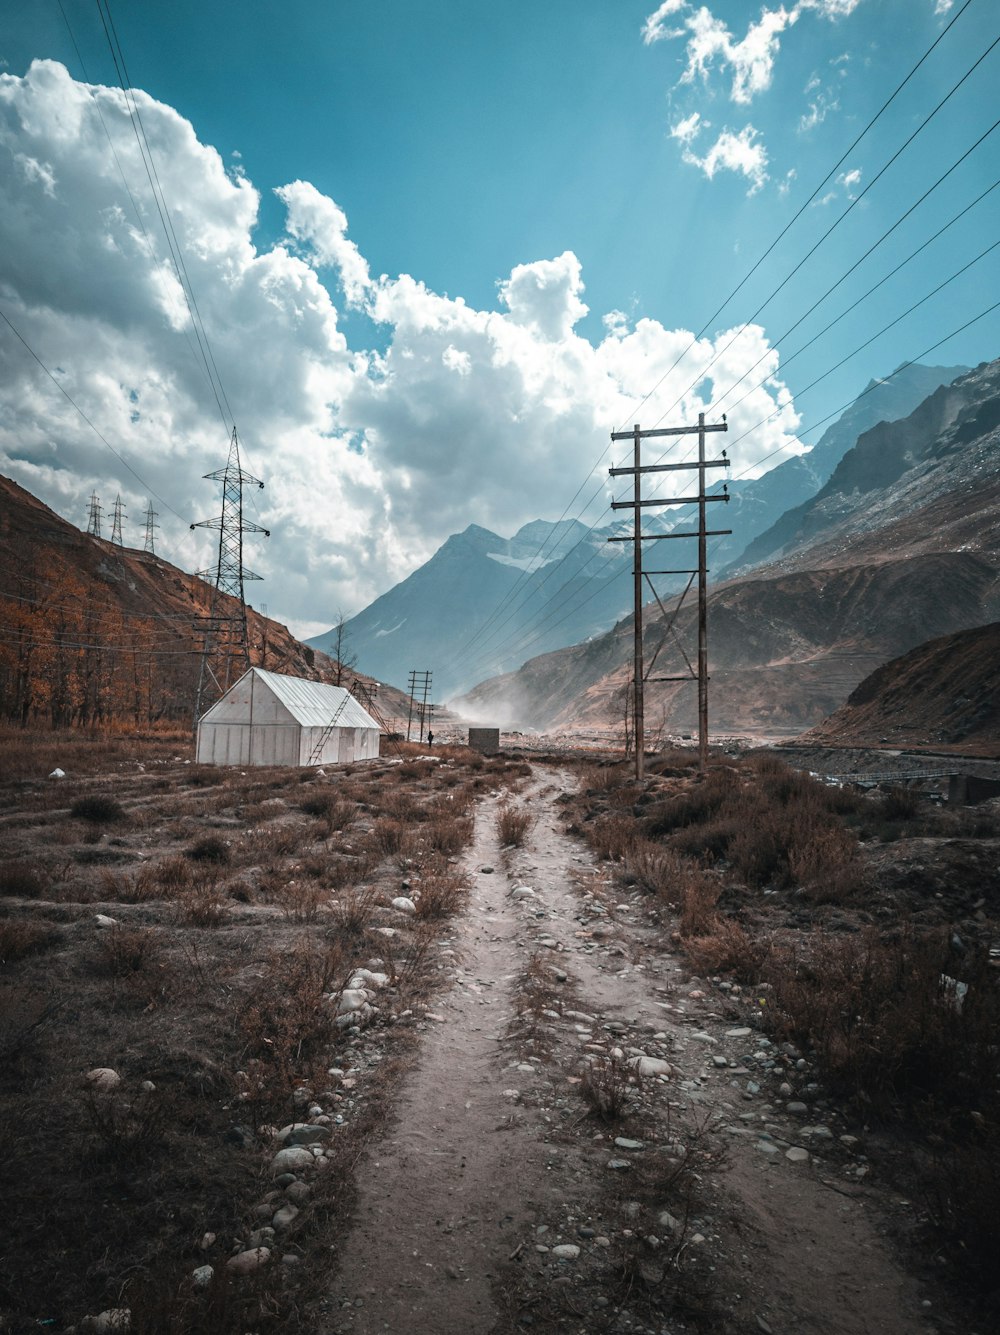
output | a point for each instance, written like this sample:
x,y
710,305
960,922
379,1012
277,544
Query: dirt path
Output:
x,y
494,1164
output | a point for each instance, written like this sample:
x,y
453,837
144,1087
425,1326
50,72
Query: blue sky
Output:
x,y
464,145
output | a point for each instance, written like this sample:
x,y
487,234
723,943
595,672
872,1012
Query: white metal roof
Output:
x,y
315,703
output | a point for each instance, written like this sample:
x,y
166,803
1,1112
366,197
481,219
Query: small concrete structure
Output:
x,y
969,789
485,740
270,719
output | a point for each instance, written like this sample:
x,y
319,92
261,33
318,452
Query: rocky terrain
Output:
x,y
945,693
481,1046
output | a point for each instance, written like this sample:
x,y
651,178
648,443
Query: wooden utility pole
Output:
x,y
637,538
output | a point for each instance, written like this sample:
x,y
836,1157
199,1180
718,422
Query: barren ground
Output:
x,y
544,1120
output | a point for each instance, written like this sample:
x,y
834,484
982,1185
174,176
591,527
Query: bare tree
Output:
x,y
341,650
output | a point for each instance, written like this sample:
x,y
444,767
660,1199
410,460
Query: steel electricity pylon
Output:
x,y
226,651
151,525
94,517
117,515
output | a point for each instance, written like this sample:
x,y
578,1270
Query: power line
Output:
x,y
522,580
801,210
66,394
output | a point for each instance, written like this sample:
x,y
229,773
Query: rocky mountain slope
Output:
x,y
95,633
435,618
910,550
945,692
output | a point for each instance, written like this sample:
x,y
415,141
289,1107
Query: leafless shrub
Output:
x,y
99,809
512,825
20,937
449,835
441,895
122,951
126,1124
612,837
390,837
728,947
23,880
302,901
610,1084
202,905
700,893
210,849
353,911
171,873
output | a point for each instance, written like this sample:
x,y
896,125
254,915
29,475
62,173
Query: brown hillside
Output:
x,y
95,634
944,692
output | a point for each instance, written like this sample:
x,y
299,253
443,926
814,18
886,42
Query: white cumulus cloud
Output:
x,y
371,455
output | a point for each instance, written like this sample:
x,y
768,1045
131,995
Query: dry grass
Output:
x,y
23,880
513,825
20,937
610,1086
98,808
441,895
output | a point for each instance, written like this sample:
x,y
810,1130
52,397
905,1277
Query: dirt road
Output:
x,y
729,1198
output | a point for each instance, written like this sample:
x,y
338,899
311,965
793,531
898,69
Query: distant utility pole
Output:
x,y
151,525
94,517
226,645
419,685
637,538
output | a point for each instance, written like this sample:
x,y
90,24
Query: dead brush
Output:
x,y
123,951
202,904
125,1124
513,824
727,947
699,897
441,895
890,1024
612,837
301,900
390,838
534,993
22,880
656,870
611,1085
410,968
353,912
285,1027
449,835
20,937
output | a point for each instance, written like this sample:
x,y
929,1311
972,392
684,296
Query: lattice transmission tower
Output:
x,y
94,517
226,646
151,526
117,516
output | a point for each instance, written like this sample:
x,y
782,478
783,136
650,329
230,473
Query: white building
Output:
x,y
269,719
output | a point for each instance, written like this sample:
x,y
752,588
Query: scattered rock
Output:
x,y
619,1165
303,1133
285,1216
250,1261
404,905
104,1079
291,1160
652,1066
623,1143
114,1319
58,773
742,1032
102,920
202,1277
797,1154
567,1251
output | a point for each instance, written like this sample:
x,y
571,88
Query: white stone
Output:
x,y
368,978
652,1066
58,773
202,1277
103,1078
404,905
797,1154
102,920
246,1263
351,999
741,1032
114,1319
567,1251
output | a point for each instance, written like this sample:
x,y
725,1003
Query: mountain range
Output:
x,y
900,545
483,604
